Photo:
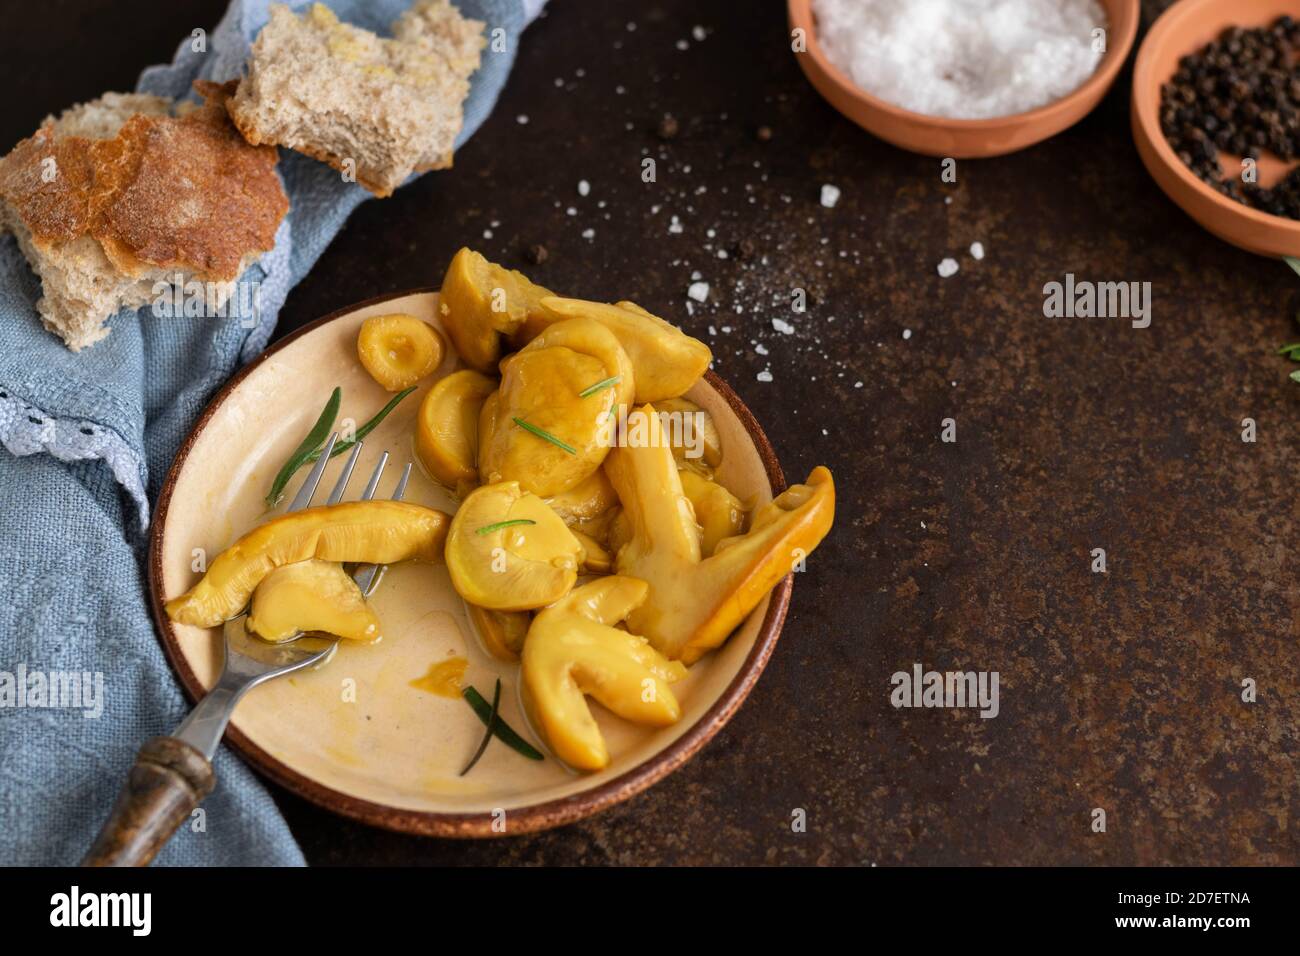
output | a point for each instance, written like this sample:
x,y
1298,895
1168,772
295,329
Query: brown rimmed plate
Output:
x,y
355,736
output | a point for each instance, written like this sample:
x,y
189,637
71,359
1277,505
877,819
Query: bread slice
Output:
x,y
117,195
376,109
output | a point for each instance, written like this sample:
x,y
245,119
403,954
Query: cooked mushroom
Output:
x,y
695,602
507,551
573,649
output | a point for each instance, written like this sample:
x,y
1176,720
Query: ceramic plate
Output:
x,y
355,736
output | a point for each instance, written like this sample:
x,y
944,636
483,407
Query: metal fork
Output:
x,y
172,775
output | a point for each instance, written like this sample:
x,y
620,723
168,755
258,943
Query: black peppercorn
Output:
x,y
1238,94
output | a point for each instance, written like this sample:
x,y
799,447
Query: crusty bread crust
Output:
x,y
101,219
186,193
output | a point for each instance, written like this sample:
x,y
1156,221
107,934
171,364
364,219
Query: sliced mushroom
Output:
x,y
574,650
447,430
667,360
507,551
375,532
479,301
695,602
311,596
551,425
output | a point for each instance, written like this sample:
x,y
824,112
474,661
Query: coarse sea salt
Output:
x,y
963,59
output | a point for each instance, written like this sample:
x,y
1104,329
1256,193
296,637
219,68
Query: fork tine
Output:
x,y
341,485
303,498
400,491
373,484
367,575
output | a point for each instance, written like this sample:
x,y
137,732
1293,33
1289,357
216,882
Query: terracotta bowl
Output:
x,y
1182,29
958,138
354,736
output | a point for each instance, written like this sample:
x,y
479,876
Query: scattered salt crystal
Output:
x,y
907,334
522,119
699,291
760,349
698,32
830,195
589,233
764,376
977,250
781,325
948,267
584,187
683,45
675,226
571,211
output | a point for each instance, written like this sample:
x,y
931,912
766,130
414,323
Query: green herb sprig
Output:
x,y
489,528
493,714
365,429
600,386
312,443
544,434
312,446
503,731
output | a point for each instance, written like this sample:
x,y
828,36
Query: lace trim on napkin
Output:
x,y
26,430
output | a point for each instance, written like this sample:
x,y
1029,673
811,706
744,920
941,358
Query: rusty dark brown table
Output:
x,y
1120,691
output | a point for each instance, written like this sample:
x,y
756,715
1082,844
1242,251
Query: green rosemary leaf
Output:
x,y
489,528
504,732
544,434
493,714
600,386
366,429
311,444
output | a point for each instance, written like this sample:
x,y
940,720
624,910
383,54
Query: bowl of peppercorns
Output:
x,y
1216,117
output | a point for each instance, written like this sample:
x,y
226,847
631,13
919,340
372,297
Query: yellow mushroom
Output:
x,y
588,499
479,301
311,596
375,532
507,551
503,632
667,361
595,559
697,444
718,512
573,649
398,350
695,602
551,426
447,430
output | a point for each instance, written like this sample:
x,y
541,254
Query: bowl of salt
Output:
x,y
963,78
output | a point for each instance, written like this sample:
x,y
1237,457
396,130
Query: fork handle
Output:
x,y
170,778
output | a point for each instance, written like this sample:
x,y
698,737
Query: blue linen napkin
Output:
x,y
90,437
